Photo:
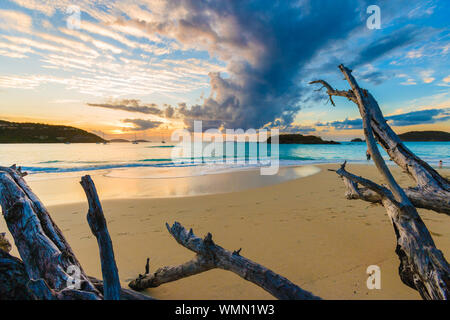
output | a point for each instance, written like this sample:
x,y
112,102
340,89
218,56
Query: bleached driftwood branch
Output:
x,y
45,253
432,191
97,222
422,266
210,256
43,249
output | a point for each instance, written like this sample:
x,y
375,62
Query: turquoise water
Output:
x,y
77,158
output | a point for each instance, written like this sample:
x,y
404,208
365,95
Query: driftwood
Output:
x,y
43,273
44,251
13,276
422,266
210,256
47,261
432,191
16,285
97,222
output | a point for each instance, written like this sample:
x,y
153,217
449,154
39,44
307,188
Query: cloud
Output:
x,y
106,32
97,43
409,82
169,112
374,77
130,105
419,117
44,6
346,124
142,124
14,20
387,44
265,45
428,116
427,76
293,128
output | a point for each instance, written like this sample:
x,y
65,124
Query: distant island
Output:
x,y
119,140
27,132
357,140
301,139
425,136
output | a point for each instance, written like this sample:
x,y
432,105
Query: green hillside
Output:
x,y
301,139
425,136
26,132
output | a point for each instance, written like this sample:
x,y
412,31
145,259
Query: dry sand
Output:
x,y
303,229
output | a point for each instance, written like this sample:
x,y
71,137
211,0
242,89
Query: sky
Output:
x,y
147,67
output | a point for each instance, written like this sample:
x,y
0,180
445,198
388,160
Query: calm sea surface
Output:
x,y
129,160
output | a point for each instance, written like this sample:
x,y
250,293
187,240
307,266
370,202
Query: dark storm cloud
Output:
x,y
169,112
130,105
420,117
429,116
375,77
265,43
142,124
346,124
382,46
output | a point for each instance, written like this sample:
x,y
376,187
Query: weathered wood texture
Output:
x,y
422,266
432,191
15,283
43,273
210,256
97,222
13,276
41,245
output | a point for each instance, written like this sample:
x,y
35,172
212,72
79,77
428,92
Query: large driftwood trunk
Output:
x,y
16,285
422,266
13,276
47,261
42,274
210,256
432,191
42,247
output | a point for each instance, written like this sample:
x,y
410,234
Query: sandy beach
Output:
x,y
303,229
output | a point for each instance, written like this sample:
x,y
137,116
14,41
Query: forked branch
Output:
x,y
209,256
422,266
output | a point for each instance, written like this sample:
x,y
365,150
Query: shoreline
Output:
x,y
303,229
66,190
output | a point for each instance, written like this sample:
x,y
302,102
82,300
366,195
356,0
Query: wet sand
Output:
x,y
303,229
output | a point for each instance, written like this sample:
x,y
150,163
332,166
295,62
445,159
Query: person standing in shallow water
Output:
x,y
368,155
440,164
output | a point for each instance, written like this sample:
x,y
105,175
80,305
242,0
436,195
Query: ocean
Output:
x,y
155,160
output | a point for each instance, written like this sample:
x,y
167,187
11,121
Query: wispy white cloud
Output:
x,y
427,76
14,20
102,45
46,7
409,82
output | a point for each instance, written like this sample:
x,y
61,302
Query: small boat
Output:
x,y
135,140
